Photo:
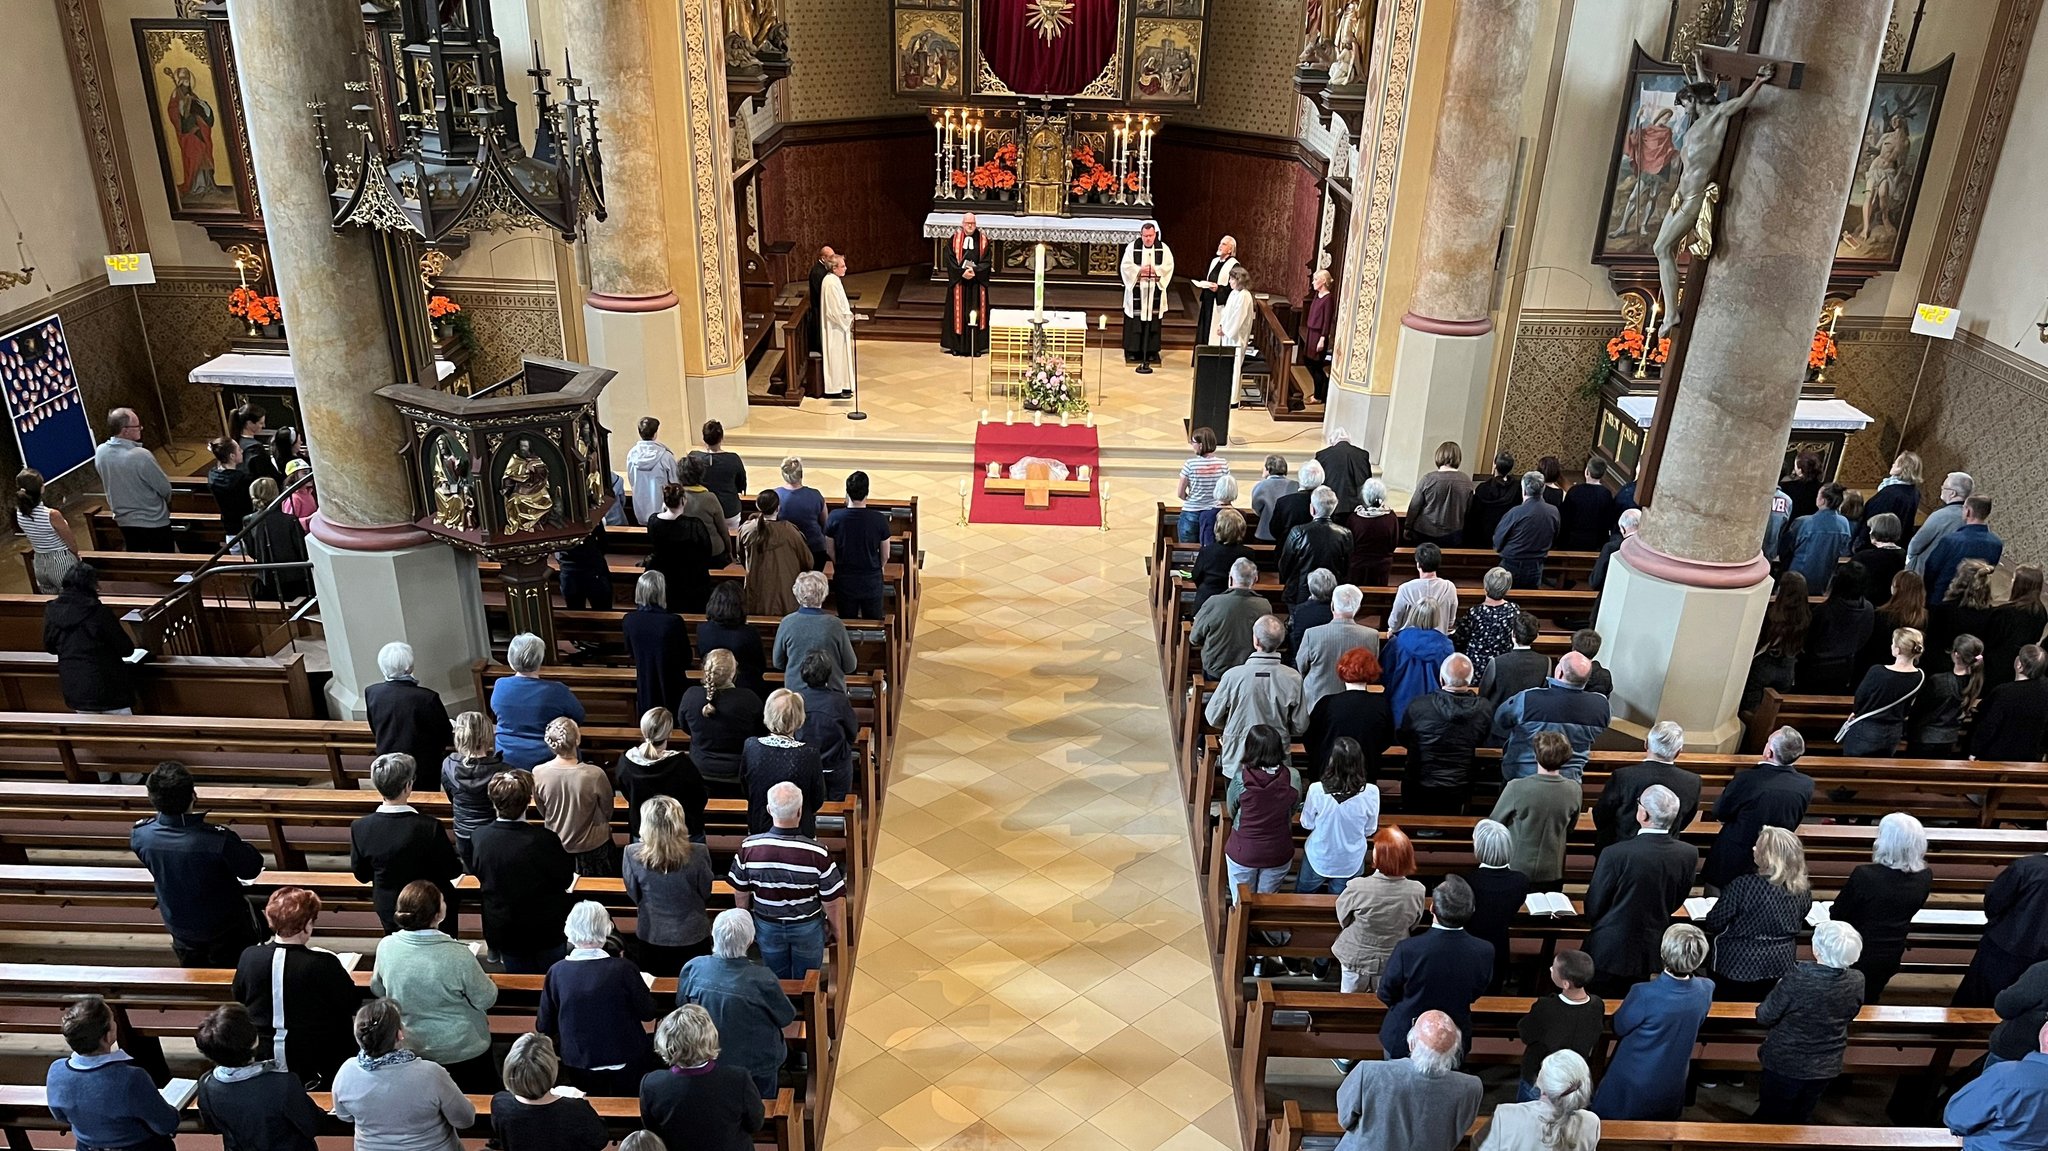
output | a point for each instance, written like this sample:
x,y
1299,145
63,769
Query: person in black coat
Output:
x,y
2015,932
1614,814
2014,718
91,647
1346,467
1315,544
302,998
1881,898
1497,891
524,874
2022,1010
1841,625
397,844
725,626
1442,731
255,1106
1882,557
1774,793
1517,669
696,1102
651,767
658,640
1589,512
1211,569
228,483
1354,713
1443,969
1636,886
406,718
1292,510
1492,498
198,869
1312,612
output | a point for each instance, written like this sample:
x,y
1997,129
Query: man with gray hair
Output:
x,y
1418,1103
1637,885
1346,467
1524,535
744,999
1263,689
1630,523
1943,520
792,885
1223,627
1323,646
1291,511
1613,814
398,844
1312,612
1562,705
406,717
1319,543
1443,969
1270,490
1442,732
811,628
1772,794
138,492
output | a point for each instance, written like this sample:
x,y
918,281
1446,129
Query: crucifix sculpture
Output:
x,y
1708,152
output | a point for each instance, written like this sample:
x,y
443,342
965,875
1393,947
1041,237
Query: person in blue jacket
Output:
x,y
106,1099
526,704
1657,1027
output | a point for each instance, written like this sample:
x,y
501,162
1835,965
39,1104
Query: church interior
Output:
x,y
1007,400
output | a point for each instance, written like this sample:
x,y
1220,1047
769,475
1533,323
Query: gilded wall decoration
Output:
x,y
709,177
1392,62
1968,189
106,143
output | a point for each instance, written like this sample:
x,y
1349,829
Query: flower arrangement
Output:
x,y
1627,345
1824,351
240,299
265,310
996,174
1048,388
441,307
959,178
1089,174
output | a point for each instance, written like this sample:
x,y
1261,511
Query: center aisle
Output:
x,y
1033,973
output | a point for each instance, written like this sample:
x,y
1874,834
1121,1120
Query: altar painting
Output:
x,y
928,55
1166,62
1646,164
1890,167
197,137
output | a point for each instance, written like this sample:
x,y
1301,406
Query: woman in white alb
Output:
x,y
1233,325
836,332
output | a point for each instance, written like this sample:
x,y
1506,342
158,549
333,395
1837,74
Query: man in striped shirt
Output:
x,y
793,887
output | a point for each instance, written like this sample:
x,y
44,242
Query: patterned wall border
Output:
x,y
710,173
1392,67
86,44
1991,112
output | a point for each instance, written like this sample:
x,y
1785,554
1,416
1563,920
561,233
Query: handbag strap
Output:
x,y
1853,720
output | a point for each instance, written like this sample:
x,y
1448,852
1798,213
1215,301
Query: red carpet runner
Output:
x,y
1073,446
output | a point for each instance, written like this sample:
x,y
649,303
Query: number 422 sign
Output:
x,y
130,268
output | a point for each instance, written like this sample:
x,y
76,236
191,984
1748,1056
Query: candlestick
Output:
x,y
984,415
963,487
1834,318
1656,309
1038,286
1063,419
1009,416
242,270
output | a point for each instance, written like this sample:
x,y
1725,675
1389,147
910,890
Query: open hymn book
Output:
x,y
1549,903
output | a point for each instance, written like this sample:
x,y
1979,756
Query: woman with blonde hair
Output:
x,y
466,778
1965,608
1885,699
1556,1120
1881,898
1757,920
1898,495
780,757
696,1101
721,717
529,1115
668,878
1220,549
651,767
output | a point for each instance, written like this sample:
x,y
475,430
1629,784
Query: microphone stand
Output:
x,y
853,345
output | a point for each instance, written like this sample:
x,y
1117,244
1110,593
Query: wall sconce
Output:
x,y
2041,322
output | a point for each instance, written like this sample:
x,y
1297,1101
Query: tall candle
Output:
x,y
1038,286
1834,318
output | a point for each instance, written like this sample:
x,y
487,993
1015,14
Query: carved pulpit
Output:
x,y
1047,169
514,473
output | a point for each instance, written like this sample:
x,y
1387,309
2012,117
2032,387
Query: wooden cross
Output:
x,y
1720,62
1037,487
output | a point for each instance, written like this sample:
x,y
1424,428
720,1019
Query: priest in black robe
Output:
x,y
813,319
1147,268
966,309
1214,291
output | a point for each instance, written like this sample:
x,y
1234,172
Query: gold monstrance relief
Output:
x,y
1049,18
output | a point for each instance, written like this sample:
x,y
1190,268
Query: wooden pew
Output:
x,y
25,1109
1817,717
1293,1125
245,629
270,687
1882,1040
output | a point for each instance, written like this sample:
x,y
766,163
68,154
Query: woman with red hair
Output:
x,y
301,997
1375,912
1357,712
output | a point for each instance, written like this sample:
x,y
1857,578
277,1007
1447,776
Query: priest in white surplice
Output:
x,y
837,337
1147,269
1234,320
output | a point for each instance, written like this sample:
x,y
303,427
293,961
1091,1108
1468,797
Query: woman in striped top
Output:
x,y
47,530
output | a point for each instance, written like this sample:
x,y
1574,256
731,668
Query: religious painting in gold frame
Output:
x,y
1166,62
1898,137
929,57
1170,8
192,118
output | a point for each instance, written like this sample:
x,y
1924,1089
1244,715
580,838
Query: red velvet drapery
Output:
x,y
1024,61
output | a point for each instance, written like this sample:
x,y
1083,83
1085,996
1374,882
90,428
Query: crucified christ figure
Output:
x,y
1701,153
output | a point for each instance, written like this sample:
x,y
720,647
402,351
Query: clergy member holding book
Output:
x,y
1215,289
967,263
837,345
1147,269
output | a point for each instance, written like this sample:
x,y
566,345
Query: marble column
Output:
x,y
632,322
1693,581
1444,359
378,577
686,42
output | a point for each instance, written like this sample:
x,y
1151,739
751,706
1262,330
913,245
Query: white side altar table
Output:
x,y
267,380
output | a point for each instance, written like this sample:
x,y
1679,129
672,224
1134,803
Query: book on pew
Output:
x,y
349,959
648,979
568,1092
179,1092
1699,906
1548,903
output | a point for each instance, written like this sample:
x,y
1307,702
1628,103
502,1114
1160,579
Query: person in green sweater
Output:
x,y
442,988
1540,809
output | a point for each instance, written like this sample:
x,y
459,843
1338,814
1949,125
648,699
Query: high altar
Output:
x,y
1044,118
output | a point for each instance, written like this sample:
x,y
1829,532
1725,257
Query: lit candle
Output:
x,y
1063,419
984,415
995,470
1102,322
242,270
1104,488
1009,416
963,487
1656,309
1834,318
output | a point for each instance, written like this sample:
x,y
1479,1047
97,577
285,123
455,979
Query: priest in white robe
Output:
x,y
1147,269
1234,321
836,344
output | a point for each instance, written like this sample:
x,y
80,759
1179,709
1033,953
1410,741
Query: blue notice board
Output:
x,y
44,405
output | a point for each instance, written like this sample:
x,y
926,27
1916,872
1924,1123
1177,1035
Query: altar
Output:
x,y
1820,427
268,381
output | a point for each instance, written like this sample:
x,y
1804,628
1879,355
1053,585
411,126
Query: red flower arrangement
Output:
x,y
959,178
239,301
1627,345
441,307
995,174
1823,352
1090,175
264,310
1131,181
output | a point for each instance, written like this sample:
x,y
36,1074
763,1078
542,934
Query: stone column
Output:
x,y
1445,355
686,41
378,577
1686,597
631,320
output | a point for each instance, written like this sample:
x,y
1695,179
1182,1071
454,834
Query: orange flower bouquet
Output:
x,y
959,178
1662,352
264,311
996,174
1824,351
239,301
441,307
1628,345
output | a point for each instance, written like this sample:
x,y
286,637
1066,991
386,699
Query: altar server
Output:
x,y
1234,321
1147,269
1215,291
837,345
967,268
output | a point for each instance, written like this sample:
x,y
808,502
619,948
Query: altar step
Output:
x,y
913,454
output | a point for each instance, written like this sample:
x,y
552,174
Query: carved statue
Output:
x,y
1317,54
1348,46
1701,156
525,487
454,504
754,31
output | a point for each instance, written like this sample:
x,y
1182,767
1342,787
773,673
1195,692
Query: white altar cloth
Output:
x,y
1052,229
258,369
1810,416
1021,318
